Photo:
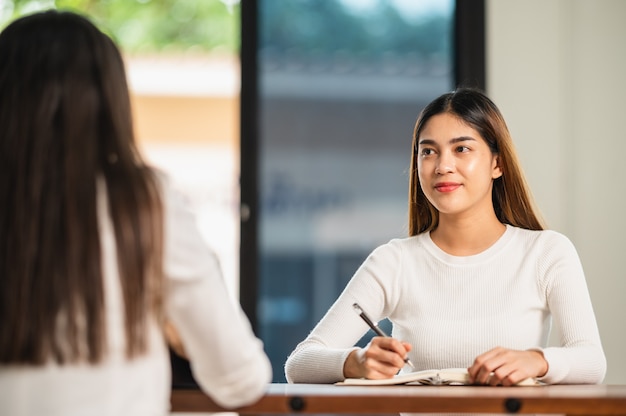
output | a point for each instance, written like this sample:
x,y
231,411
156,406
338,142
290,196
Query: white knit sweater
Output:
x,y
451,309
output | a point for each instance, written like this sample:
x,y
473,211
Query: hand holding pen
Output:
x,y
376,328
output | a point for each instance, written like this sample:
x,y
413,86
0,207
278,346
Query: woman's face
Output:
x,y
456,168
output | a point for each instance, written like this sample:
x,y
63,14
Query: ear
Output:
x,y
496,170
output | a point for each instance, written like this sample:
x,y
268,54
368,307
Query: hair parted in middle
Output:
x,y
511,196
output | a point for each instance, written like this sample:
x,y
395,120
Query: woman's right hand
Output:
x,y
382,358
173,339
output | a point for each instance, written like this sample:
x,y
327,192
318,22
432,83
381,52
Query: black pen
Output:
x,y
375,328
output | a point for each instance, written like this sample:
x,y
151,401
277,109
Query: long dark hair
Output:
x,y
65,125
512,199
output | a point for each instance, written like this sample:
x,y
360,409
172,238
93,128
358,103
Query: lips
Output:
x,y
447,186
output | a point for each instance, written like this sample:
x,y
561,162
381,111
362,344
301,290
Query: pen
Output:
x,y
375,328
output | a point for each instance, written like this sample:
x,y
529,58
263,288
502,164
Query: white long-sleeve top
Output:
x,y
227,360
452,309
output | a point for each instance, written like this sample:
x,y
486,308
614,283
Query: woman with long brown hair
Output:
x,y
98,250
478,282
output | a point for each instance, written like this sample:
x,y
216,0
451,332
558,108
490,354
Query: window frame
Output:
x,y
469,70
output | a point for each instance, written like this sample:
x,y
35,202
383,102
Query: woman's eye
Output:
x,y
462,149
426,152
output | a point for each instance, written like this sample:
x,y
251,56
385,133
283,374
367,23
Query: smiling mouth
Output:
x,y
447,187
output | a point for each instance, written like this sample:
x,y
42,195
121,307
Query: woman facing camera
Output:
x,y
479,281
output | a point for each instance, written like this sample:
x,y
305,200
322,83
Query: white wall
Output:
x,y
557,70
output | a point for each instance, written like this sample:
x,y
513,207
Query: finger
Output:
x,y
508,374
475,369
380,351
508,367
488,356
376,363
485,365
496,377
389,343
514,377
401,349
483,376
377,369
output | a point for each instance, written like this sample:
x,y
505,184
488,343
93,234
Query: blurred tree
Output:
x,y
304,27
146,26
301,26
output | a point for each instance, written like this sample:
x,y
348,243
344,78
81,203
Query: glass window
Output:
x,y
340,85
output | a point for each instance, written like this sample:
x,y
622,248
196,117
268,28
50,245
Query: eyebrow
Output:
x,y
451,141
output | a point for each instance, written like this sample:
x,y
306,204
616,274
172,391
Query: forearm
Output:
x,y
575,365
227,360
311,363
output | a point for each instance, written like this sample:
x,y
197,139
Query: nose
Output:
x,y
445,163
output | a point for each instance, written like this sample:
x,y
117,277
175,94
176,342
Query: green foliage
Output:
x,y
146,26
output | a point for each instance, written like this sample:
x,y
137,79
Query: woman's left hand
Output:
x,y
506,367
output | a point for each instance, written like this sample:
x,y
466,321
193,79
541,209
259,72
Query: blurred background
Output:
x,y
339,86
182,62
340,83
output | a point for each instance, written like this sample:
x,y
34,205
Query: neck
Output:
x,y
466,237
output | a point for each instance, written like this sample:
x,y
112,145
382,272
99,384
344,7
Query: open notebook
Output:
x,y
447,376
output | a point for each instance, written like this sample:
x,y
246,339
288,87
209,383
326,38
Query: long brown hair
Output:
x,y
512,199
65,122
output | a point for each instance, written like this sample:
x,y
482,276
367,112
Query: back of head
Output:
x,y
65,122
511,196
62,90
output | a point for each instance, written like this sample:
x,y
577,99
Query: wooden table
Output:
x,y
320,398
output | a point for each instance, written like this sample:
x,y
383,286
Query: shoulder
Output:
x,y
547,246
543,238
395,253
397,246
411,241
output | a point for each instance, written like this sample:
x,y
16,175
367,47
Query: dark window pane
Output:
x,y
340,86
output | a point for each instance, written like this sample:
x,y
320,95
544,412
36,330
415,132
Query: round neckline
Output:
x,y
489,252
